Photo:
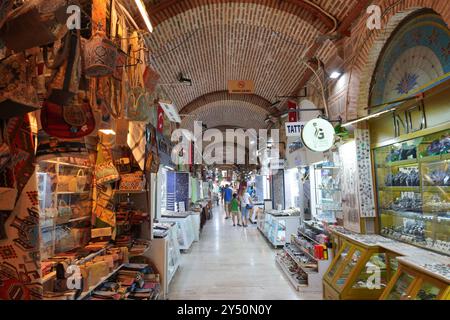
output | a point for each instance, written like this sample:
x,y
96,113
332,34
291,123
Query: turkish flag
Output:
x,y
292,115
160,119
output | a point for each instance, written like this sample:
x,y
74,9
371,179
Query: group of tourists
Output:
x,y
237,203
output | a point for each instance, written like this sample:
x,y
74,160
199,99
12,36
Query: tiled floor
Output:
x,y
231,263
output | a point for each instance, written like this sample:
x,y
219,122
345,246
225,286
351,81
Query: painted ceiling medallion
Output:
x,y
407,83
414,60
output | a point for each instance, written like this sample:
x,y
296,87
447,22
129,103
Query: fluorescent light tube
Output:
x,y
144,14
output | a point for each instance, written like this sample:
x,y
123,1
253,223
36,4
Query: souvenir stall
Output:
x,y
409,151
262,192
306,254
76,155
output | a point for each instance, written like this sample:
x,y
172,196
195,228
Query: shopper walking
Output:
x,y
227,196
234,208
246,204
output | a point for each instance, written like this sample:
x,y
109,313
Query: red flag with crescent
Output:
x,y
292,115
160,119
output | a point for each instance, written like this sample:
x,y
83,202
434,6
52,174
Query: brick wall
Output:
x,y
364,46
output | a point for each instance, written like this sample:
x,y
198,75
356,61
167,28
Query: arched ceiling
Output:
x,y
232,113
213,41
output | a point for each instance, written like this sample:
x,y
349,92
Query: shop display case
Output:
x,y
184,228
326,196
277,226
413,189
409,283
165,254
309,255
351,273
65,203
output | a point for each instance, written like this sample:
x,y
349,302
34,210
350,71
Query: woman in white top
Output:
x,y
246,204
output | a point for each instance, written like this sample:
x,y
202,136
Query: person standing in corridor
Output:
x,y
227,196
246,204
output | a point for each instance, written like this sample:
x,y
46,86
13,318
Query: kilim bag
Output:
x,y
65,80
105,171
17,94
35,23
138,102
100,57
132,181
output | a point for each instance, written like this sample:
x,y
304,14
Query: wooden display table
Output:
x,y
373,267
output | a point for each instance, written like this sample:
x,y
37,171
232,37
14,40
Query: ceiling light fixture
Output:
x,y
144,14
107,131
184,80
335,75
375,115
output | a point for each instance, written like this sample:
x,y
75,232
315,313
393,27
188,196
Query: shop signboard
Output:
x,y
294,129
241,86
318,135
170,110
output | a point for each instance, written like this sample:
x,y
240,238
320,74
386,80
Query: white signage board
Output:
x,y
318,135
294,129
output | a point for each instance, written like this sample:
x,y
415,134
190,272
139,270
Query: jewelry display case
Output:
x,y
326,195
277,226
373,267
351,273
413,190
410,283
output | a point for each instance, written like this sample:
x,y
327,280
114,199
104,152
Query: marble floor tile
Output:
x,y
231,263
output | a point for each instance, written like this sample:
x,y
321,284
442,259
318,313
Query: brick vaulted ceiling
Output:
x,y
213,41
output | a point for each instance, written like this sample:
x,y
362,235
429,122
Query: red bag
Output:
x,y
67,122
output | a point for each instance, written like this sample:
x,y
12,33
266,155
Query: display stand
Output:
x,y
185,231
349,275
195,219
276,226
165,254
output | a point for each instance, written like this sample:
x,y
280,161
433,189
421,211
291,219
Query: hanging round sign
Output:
x,y
318,135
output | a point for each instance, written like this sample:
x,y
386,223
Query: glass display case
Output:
x,y
410,284
413,189
278,226
359,272
173,254
326,193
65,203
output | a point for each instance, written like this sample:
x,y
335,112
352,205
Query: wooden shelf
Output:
x,y
306,268
400,163
48,277
308,237
437,158
293,280
129,191
298,245
443,189
400,188
92,288
70,192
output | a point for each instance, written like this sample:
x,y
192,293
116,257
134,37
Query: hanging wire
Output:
x,y
177,46
278,34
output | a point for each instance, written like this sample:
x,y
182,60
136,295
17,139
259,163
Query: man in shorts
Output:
x,y
227,196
